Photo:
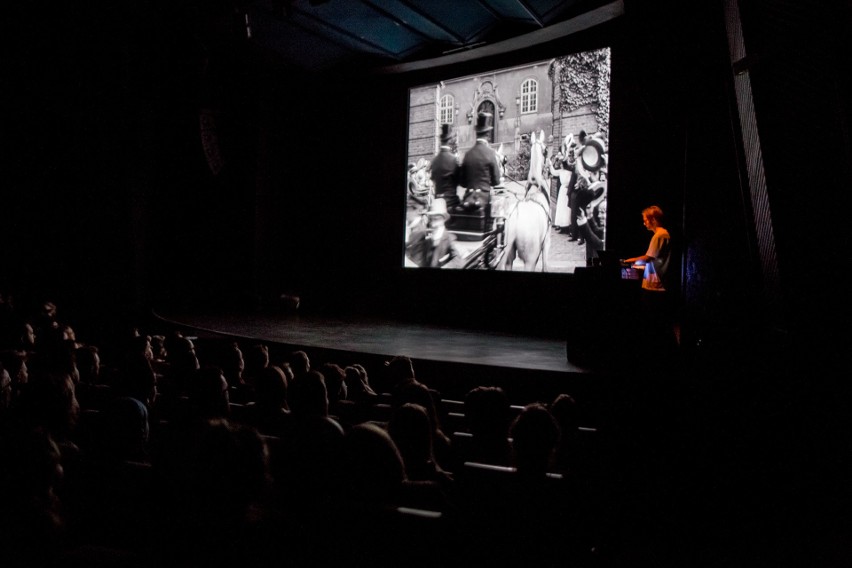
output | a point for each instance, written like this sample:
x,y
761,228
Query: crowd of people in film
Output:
x,y
580,210
154,447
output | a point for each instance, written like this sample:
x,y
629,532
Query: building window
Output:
x,y
446,109
529,96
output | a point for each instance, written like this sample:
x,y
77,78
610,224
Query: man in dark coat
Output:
x,y
480,169
446,169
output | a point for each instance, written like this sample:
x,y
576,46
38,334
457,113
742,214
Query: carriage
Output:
x,y
489,255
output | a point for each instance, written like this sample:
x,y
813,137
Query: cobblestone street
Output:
x,y
565,255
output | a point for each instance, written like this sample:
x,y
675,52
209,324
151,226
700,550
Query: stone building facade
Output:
x,y
521,100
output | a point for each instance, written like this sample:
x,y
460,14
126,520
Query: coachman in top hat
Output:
x,y
446,169
480,169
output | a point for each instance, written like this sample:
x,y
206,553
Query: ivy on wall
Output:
x,y
583,79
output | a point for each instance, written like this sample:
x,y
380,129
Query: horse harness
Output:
x,y
527,198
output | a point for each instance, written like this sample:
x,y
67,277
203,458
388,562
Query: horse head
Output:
x,y
502,160
528,224
537,150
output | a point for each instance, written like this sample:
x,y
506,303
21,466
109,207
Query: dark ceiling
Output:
x,y
324,35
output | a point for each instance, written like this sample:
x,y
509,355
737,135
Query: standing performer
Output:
x,y
446,169
480,169
658,256
656,303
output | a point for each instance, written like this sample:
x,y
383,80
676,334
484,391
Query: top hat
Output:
x,y
483,123
439,208
598,189
446,133
593,155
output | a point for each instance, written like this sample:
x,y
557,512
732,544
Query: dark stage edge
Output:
x,y
387,338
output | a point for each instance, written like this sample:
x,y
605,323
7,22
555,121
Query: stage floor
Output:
x,y
389,338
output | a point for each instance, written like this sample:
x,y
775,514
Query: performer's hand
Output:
x,y
581,218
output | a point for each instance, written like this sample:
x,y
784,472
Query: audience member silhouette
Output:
x,y
487,413
568,452
399,374
158,350
18,335
6,393
182,365
57,355
255,359
158,347
49,401
139,346
15,363
68,334
138,380
124,430
375,534
335,385
88,362
299,362
208,394
520,517
31,522
360,397
230,359
28,338
358,384
308,468
374,469
308,395
411,431
270,412
45,323
214,489
109,498
534,434
418,393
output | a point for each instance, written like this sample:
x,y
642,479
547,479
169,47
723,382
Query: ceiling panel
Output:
x,y
416,16
358,25
514,10
315,35
551,9
465,19
299,48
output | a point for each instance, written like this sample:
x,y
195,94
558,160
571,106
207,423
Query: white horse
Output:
x,y
527,214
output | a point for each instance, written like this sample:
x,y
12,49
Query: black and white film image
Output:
x,y
507,170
